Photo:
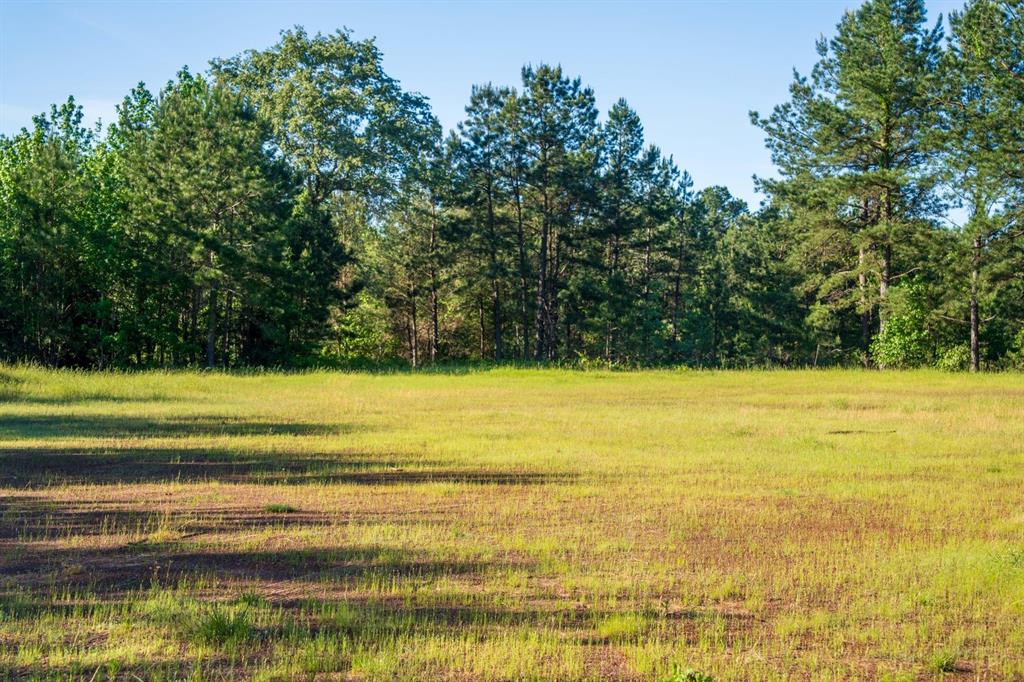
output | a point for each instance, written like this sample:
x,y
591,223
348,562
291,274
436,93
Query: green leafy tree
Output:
x,y
349,133
52,241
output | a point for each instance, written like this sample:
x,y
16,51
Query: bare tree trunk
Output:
x,y
434,326
496,283
414,340
675,308
226,332
883,282
542,285
483,329
524,285
553,319
975,324
883,286
609,324
862,281
496,314
865,314
211,330
193,325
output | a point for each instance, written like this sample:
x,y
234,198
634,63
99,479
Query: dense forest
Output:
x,y
294,206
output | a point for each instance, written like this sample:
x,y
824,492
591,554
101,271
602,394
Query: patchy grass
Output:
x,y
511,524
279,509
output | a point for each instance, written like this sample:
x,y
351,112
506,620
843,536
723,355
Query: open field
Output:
x,y
512,524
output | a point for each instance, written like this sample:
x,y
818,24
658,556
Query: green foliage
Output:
x,y
1016,354
954,358
297,207
905,341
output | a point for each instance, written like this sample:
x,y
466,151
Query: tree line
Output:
x,y
294,206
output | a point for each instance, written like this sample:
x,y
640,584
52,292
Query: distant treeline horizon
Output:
x,y
295,207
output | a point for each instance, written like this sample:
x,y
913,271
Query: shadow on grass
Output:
x,y
66,553
103,426
368,596
39,466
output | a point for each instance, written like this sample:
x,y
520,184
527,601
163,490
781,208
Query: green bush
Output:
x,y
954,358
906,341
1016,355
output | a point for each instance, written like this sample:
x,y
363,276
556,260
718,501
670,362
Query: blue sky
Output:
x,y
692,70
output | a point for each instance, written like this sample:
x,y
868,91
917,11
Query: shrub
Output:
x,y
1016,355
954,358
906,341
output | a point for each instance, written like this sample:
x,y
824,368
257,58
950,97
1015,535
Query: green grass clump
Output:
x,y
944,661
279,509
220,626
680,674
623,627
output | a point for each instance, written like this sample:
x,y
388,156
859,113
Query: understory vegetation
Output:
x,y
511,524
294,206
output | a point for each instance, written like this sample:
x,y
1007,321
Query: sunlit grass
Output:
x,y
511,524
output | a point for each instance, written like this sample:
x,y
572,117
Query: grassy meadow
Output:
x,y
511,524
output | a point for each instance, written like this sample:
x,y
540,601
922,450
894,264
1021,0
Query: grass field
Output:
x,y
512,524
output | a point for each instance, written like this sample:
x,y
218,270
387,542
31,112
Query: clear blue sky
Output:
x,y
692,70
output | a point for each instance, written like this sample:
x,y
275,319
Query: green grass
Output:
x,y
279,509
511,524
221,626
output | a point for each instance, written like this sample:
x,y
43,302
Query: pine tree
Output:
x,y
202,179
853,148
984,133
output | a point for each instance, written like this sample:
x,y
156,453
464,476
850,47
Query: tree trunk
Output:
x,y
865,314
524,284
415,333
613,308
883,282
193,325
226,331
211,330
542,284
483,329
434,326
496,314
883,286
495,282
975,324
675,309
